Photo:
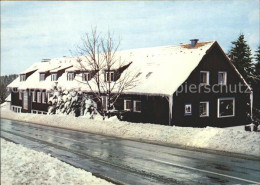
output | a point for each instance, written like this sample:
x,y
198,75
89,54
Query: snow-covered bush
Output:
x,y
71,103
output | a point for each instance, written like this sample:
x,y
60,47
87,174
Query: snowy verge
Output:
x,y
20,165
234,139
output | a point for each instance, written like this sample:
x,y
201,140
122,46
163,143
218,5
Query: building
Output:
x,y
193,84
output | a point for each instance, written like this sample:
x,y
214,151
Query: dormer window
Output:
x,y
110,76
148,74
138,74
42,76
70,77
85,76
22,77
54,77
204,77
222,78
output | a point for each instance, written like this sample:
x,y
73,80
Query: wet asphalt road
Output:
x,y
129,162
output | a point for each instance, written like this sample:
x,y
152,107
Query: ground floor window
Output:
x,y
38,97
226,107
43,97
104,102
25,100
20,95
204,109
137,106
127,105
187,109
16,108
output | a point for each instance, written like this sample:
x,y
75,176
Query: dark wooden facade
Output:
x,y
155,109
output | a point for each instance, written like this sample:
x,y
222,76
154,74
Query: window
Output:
x,y
138,74
85,76
127,105
15,89
33,96
42,76
226,107
70,77
204,77
25,100
43,97
137,106
104,102
22,78
148,74
204,109
187,110
38,97
20,95
222,78
54,77
110,76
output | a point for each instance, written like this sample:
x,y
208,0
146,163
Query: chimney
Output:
x,y
193,42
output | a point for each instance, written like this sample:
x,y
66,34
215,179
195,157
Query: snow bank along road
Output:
x,y
20,165
234,140
131,162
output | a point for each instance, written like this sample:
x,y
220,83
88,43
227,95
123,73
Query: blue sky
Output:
x,y
31,31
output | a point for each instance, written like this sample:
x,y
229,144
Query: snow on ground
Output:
x,y
20,165
233,139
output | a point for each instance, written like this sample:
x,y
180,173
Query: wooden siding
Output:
x,y
213,62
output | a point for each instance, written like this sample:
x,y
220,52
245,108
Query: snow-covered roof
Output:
x,y
159,70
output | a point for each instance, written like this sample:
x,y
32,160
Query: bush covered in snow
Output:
x,y
72,103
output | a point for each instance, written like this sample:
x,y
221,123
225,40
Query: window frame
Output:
x,y
127,100
187,113
218,108
22,77
20,95
84,75
207,109
34,96
110,76
134,108
43,97
39,97
70,76
42,74
207,77
52,77
225,77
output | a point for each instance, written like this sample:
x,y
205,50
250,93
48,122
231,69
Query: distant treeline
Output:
x,y
4,82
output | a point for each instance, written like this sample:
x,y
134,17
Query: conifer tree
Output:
x,y
257,64
240,56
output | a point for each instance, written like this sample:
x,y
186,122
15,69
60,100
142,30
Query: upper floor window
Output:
x,y
226,107
204,77
148,74
54,77
85,76
70,77
222,78
110,76
204,109
137,106
127,105
22,78
138,74
42,76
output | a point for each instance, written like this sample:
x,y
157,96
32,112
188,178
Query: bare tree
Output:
x,y
109,75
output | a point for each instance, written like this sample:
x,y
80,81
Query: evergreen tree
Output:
x,y
240,56
257,64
